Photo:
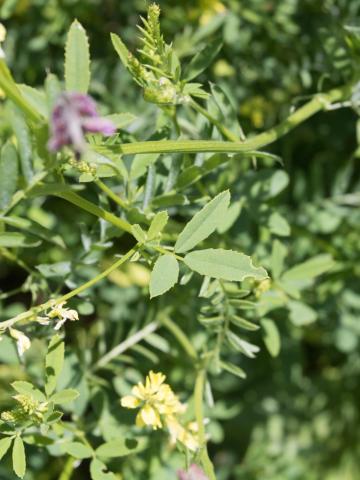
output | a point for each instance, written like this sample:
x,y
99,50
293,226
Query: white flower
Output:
x,y
63,314
43,320
2,38
23,342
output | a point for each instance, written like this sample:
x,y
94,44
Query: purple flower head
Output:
x,y
74,115
194,473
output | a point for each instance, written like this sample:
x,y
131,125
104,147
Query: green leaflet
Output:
x,y
52,90
5,444
18,457
164,275
272,337
121,120
203,223
54,363
27,388
77,59
224,264
120,48
8,174
78,450
301,314
23,137
121,447
157,225
241,345
15,240
278,255
98,471
202,60
309,269
140,163
65,396
138,233
234,369
36,98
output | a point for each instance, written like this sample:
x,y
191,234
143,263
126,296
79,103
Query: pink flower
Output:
x,y
74,115
194,473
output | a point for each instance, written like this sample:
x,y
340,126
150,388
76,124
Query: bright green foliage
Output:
x,y
8,174
77,60
223,264
132,257
78,450
164,275
18,457
203,224
54,363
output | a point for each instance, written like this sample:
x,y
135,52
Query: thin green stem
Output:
x,y
44,306
12,91
180,337
126,344
199,413
21,194
318,103
13,258
68,469
162,250
90,207
111,194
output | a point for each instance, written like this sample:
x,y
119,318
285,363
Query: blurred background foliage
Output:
x,y
296,416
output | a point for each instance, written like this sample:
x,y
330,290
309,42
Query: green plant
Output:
x,y
146,201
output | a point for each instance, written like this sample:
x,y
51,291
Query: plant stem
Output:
x,y
90,207
318,103
199,413
13,258
68,469
111,194
126,344
44,306
180,337
12,91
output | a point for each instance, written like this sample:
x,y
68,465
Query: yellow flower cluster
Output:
x,y
160,408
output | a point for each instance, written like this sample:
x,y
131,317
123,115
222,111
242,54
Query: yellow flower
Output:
x,y
155,400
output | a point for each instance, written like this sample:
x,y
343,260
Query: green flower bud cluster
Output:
x,y
28,409
161,91
138,71
83,167
154,71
